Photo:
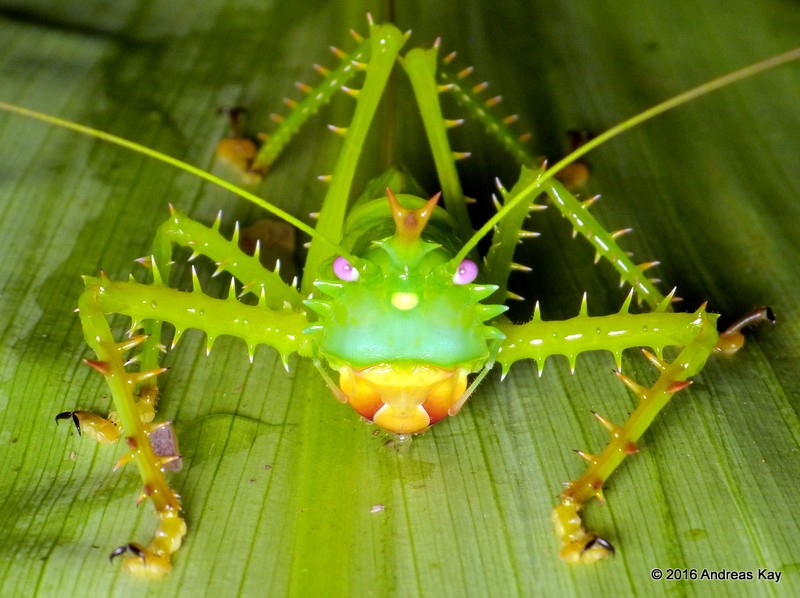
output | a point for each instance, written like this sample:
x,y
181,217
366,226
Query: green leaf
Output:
x,y
285,490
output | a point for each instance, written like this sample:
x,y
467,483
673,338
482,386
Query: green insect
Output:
x,y
396,310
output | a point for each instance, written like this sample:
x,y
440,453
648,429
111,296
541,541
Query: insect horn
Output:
x,y
410,223
538,185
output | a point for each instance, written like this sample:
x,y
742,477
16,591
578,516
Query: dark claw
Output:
x,y
599,542
134,548
73,415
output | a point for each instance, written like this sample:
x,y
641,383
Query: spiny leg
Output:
x,y
385,44
538,340
581,546
509,230
226,254
420,66
256,325
154,560
152,445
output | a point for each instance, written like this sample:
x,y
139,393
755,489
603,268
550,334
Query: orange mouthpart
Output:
x,y
400,398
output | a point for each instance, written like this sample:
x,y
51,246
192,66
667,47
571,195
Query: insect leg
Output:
x,y
227,255
154,561
333,80
420,66
385,43
577,544
134,392
604,242
695,332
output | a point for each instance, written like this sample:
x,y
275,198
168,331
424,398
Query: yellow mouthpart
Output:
x,y
404,399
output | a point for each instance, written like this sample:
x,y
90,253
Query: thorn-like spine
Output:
x,y
636,388
353,93
626,305
617,360
99,366
176,337
494,101
461,155
451,123
235,238
276,118
320,70
588,203
466,72
449,58
157,278
678,385
122,461
665,303
303,87
612,428
139,377
520,267
195,281
131,342
480,87
340,54
647,265
656,361
583,312
338,130
620,232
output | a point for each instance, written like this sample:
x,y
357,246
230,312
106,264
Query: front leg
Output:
x,y
130,415
696,333
538,339
577,544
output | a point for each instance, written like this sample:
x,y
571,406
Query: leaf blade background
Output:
x,y
710,190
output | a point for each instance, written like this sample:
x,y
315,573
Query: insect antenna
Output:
x,y
177,163
538,185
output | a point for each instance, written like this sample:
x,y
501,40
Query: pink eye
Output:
x,y
344,270
466,273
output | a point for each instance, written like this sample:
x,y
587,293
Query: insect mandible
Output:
x,y
400,388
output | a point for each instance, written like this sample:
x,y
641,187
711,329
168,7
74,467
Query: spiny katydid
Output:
x,y
394,300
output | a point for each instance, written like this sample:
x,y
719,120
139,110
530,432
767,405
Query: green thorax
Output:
x,y
401,299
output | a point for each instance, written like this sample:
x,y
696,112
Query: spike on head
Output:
x,y
410,223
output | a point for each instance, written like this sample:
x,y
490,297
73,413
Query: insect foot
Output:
x,y
104,431
578,545
732,339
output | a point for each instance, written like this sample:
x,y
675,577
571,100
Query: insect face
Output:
x,y
401,324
